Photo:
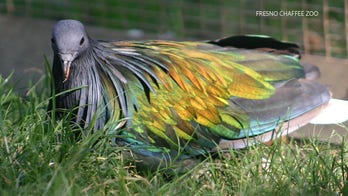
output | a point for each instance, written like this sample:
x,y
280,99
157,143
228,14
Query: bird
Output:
x,y
171,101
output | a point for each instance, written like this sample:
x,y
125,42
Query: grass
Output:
x,y
34,162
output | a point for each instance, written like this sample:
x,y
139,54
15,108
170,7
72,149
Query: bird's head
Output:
x,y
69,40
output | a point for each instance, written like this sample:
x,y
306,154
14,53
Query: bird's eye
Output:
x,y
53,41
82,41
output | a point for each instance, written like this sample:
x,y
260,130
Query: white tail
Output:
x,y
335,112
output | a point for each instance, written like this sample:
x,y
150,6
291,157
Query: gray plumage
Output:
x,y
79,61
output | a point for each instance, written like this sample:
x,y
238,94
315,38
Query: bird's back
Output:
x,y
209,94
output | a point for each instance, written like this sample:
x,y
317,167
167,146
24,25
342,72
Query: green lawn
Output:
x,y
33,161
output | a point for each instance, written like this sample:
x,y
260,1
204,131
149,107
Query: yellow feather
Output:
x,y
216,91
182,134
161,134
158,124
227,118
203,120
184,113
198,103
178,79
209,116
218,101
193,78
167,117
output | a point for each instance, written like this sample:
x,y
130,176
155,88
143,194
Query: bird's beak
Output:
x,y
66,59
66,70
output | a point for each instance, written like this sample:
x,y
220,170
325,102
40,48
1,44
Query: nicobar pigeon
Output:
x,y
170,101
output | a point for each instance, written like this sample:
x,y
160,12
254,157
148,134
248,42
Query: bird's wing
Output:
x,y
202,93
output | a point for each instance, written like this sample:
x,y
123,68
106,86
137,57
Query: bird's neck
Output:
x,y
89,95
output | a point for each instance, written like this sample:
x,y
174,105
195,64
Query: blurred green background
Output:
x,y
323,34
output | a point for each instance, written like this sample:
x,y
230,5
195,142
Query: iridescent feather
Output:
x,y
183,99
